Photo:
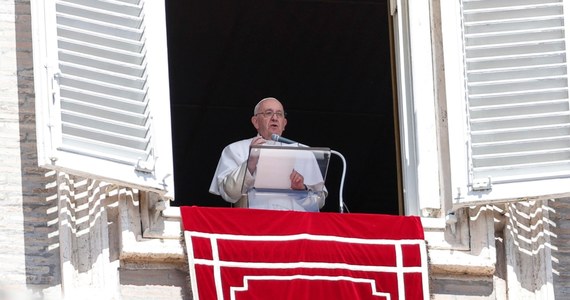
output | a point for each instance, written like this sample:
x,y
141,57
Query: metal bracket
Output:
x,y
482,184
145,166
155,223
451,220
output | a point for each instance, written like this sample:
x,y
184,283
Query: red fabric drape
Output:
x,y
263,254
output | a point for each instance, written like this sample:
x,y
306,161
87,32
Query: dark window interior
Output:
x,y
327,61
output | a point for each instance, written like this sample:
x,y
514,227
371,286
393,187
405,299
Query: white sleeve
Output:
x,y
233,185
231,171
318,194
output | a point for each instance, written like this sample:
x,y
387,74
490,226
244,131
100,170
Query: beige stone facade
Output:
x,y
65,236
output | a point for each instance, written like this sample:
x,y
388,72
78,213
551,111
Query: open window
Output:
x,y
102,92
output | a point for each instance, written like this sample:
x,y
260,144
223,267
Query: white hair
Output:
x,y
256,108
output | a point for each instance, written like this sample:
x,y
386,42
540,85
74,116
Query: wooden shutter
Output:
x,y
103,98
516,93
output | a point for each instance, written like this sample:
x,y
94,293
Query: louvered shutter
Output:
x,y
517,128
102,90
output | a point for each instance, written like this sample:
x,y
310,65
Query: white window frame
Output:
x,y
156,177
417,108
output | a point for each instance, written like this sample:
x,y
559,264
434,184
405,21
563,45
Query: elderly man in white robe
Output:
x,y
233,179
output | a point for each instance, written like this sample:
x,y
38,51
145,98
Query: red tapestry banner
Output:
x,y
241,254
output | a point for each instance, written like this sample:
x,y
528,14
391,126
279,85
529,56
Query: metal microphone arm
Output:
x,y
340,192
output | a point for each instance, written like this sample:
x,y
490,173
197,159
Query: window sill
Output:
x,y
460,262
463,244
153,250
150,232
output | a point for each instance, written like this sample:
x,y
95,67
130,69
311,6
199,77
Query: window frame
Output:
x,y
415,90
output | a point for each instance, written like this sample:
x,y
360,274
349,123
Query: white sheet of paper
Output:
x,y
274,169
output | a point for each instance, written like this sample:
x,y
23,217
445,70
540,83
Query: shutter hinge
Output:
x,y
482,184
55,78
145,166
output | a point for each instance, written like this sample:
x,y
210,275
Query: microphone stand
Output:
x,y
340,192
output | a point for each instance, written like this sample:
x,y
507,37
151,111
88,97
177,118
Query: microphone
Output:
x,y
281,139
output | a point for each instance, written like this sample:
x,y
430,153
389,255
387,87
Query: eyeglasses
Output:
x,y
269,113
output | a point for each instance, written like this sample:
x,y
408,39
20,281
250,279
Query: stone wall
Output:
x,y
11,220
28,224
55,228
560,232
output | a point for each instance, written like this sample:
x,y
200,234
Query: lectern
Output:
x,y
270,184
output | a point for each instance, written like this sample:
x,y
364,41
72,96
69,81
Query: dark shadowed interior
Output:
x,y
327,61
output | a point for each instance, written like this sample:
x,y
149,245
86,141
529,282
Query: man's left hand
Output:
x,y
297,181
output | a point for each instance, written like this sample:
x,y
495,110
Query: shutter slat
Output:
x,y
498,70
105,136
519,97
515,145
521,33
111,41
476,76
525,172
536,93
514,39
511,60
510,11
103,112
534,79
68,24
139,128
499,27
128,16
101,63
514,50
484,7
529,90
505,158
103,100
103,76
103,88
118,6
127,155
487,107
520,122
101,52
515,134
517,111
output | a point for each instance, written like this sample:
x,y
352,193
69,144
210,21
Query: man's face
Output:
x,y
269,119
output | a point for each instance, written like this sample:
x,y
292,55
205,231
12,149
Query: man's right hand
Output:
x,y
252,162
258,140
